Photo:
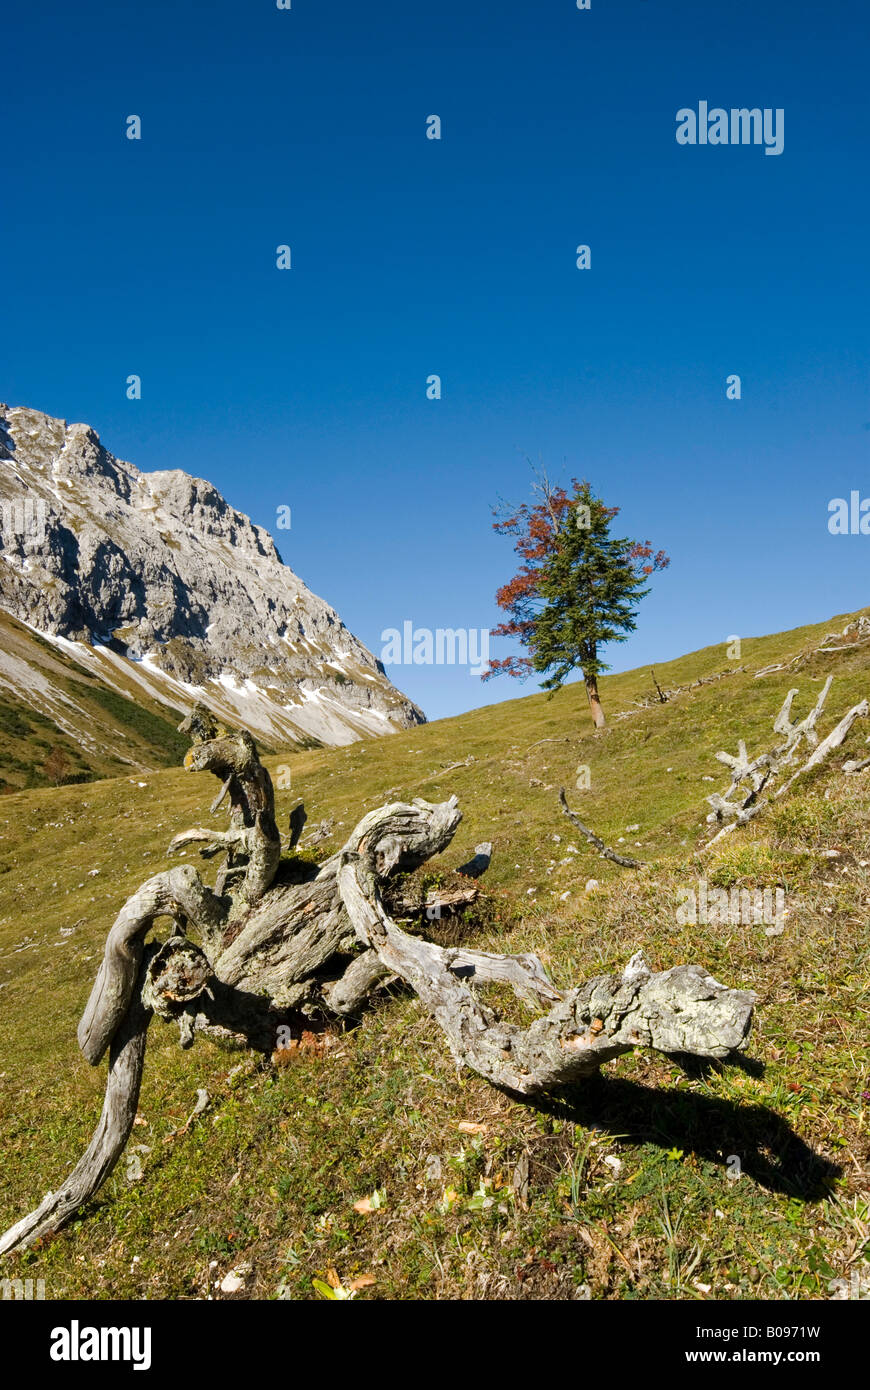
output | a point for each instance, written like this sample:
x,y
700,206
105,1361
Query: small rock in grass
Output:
x,y
236,1279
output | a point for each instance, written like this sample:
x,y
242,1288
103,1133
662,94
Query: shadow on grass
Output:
x,y
769,1150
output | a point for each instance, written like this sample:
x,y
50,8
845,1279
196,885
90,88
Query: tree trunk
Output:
x,y
594,702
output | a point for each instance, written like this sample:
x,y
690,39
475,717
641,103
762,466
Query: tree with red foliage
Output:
x,y
577,589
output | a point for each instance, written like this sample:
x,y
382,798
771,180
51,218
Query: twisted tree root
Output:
x,y
677,1011
271,944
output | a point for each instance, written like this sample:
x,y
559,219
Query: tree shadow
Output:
x,y
699,1068
769,1150
246,1019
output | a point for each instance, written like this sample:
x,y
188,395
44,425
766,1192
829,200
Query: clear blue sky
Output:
x,y
411,257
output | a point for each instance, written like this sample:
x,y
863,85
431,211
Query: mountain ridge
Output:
x,y
160,588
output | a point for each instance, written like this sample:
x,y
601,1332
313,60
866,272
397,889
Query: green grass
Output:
x,y
160,734
26,739
629,1192
122,731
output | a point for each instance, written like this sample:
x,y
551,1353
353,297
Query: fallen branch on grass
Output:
x,y
742,800
663,698
680,1010
604,850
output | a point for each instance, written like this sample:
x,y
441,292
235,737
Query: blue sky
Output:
x,y
307,387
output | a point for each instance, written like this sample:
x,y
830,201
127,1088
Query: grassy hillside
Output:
x,y
60,723
632,1186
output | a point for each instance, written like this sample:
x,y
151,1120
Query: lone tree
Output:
x,y
577,589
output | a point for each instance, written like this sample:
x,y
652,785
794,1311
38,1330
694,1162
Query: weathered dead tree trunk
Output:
x,y
178,894
126,1062
277,935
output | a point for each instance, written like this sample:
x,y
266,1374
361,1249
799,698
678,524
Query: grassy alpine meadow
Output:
x,y
367,1166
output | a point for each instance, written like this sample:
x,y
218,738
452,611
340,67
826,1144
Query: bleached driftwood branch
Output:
x,y
742,800
680,1010
126,1062
179,894
834,739
253,844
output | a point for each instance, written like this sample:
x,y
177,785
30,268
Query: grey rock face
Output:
x,y
159,571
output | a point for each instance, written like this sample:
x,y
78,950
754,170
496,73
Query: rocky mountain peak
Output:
x,y
160,571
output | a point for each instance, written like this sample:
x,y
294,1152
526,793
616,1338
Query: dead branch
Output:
x,y
624,859
663,699
545,740
742,800
834,740
179,894
254,845
648,702
439,902
126,1062
680,1010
